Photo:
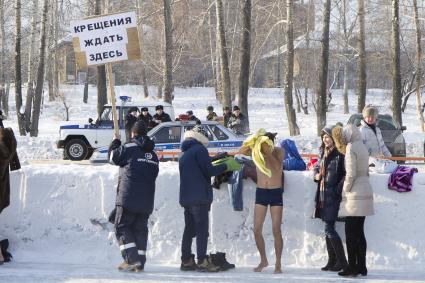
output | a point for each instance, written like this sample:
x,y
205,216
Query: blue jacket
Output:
x,y
137,174
196,171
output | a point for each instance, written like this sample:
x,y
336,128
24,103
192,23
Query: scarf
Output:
x,y
322,171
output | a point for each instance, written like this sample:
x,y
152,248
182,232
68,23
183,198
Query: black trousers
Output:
x,y
131,230
196,225
356,241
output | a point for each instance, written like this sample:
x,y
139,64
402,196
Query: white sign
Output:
x,y
105,39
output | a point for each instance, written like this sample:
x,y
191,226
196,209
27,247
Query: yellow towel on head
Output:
x,y
254,142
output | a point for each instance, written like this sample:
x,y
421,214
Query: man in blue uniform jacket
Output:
x,y
135,195
196,196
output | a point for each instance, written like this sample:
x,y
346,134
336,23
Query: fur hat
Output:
x,y
338,137
159,107
210,108
370,111
198,133
144,109
236,108
133,109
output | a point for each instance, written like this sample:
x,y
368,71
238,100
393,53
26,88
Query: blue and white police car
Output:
x,y
168,137
79,140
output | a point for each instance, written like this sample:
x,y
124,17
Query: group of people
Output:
x,y
134,115
344,191
235,121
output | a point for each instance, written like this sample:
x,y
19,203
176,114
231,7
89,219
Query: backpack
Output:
x,y
292,159
401,179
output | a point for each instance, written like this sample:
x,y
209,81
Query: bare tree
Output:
x,y
245,59
102,92
289,78
418,66
361,91
3,100
30,70
18,71
396,101
224,60
40,74
168,70
323,72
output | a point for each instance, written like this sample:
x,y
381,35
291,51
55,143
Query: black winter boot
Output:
x,y
348,271
219,259
341,261
188,264
142,259
331,255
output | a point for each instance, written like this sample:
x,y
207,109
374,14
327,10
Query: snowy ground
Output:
x,y
52,239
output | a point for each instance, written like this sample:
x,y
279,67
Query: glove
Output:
x,y
232,165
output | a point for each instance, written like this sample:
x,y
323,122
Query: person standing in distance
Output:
x,y
371,133
226,115
238,122
212,116
129,121
135,195
160,116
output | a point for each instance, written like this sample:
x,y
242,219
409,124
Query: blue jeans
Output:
x,y
330,231
196,225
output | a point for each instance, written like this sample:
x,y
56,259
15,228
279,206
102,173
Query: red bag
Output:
x,y
311,164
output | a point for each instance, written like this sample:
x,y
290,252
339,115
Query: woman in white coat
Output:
x,y
371,133
357,196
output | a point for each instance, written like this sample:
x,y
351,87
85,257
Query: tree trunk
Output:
x,y
245,59
159,90
224,70
323,72
40,74
361,91
212,52
31,64
86,86
102,91
396,101
55,56
3,105
143,67
418,66
18,72
289,77
168,70
5,100
345,88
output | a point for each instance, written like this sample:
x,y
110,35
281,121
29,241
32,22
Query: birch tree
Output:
x,y
18,71
418,66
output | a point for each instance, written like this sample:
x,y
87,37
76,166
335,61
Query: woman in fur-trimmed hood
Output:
x,y
357,196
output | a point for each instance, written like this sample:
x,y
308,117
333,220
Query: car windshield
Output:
x,y
210,136
386,123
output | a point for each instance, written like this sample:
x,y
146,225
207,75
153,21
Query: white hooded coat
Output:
x,y
374,142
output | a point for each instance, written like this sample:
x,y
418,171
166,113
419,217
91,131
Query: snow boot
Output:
x,y
188,264
341,261
142,259
130,267
331,256
348,271
219,259
205,265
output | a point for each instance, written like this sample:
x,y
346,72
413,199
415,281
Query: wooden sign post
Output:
x,y
103,40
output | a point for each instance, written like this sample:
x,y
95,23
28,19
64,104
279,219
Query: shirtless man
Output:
x,y
269,192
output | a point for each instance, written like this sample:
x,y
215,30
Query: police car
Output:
x,y
79,140
168,137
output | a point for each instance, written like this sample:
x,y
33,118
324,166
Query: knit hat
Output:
x,y
198,133
370,111
339,140
189,112
139,129
327,131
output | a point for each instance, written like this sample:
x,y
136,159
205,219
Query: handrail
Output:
x,y
175,154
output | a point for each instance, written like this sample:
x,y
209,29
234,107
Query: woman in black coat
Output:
x,y
329,174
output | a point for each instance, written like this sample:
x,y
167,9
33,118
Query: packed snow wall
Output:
x,y
51,207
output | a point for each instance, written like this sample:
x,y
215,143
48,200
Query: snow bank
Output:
x,y
51,208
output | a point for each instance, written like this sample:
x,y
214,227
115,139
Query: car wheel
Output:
x,y
76,149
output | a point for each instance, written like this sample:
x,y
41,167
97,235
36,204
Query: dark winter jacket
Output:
x,y
129,122
212,117
196,171
147,120
164,117
8,158
226,118
239,125
137,174
334,180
